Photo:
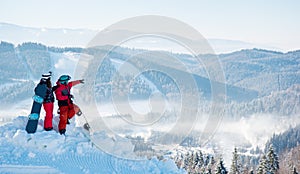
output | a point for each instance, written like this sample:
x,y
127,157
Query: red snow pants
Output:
x,y
49,115
66,112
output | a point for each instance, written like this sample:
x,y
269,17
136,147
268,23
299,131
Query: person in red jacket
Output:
x,y
64,98
48,101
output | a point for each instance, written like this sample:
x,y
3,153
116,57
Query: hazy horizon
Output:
x,y
270,23
79,37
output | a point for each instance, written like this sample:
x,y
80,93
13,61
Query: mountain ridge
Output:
x,y
243,73
82,36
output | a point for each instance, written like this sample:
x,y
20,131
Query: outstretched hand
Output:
x,y
81,81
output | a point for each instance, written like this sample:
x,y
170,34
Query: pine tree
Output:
x,y
210,165
272,161
191,162
236,167
221,168
201,160
262,168
179,160
186,161
212,160
197,161
206,161
294,170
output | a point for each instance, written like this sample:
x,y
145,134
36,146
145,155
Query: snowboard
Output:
x,y
33,118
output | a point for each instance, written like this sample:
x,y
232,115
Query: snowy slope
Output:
x,y
50,152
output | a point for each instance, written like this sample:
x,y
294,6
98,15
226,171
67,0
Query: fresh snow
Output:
x,y
20,169
50,152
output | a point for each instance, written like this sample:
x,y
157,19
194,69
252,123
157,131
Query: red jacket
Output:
x,y
63,92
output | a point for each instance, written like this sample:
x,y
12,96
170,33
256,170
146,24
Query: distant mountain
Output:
x,y
60,37
63,37
257,80
262,70
228,46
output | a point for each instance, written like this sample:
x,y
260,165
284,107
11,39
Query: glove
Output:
x,y
81,81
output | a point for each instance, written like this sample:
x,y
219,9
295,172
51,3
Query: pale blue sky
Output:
x,y
273,22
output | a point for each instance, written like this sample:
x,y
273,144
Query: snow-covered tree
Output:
x,y
269,163
294,170
262,168
221,168
198,163
211,165
186,161
272,161
200,160
236,167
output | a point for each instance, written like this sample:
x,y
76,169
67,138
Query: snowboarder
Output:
x,y
66,107
48,101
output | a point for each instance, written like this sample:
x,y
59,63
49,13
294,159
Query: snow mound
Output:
x,y
50,152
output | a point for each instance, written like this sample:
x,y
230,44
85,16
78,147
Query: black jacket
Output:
x,y
49,98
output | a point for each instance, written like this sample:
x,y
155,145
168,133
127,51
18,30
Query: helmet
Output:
x,y
64,79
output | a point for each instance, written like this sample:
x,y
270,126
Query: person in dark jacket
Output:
x,y
64,97
48,102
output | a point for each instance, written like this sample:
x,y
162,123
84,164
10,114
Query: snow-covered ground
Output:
x,y
50,152
20,108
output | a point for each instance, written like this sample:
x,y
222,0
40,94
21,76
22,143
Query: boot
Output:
x,y
62,132
48,128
